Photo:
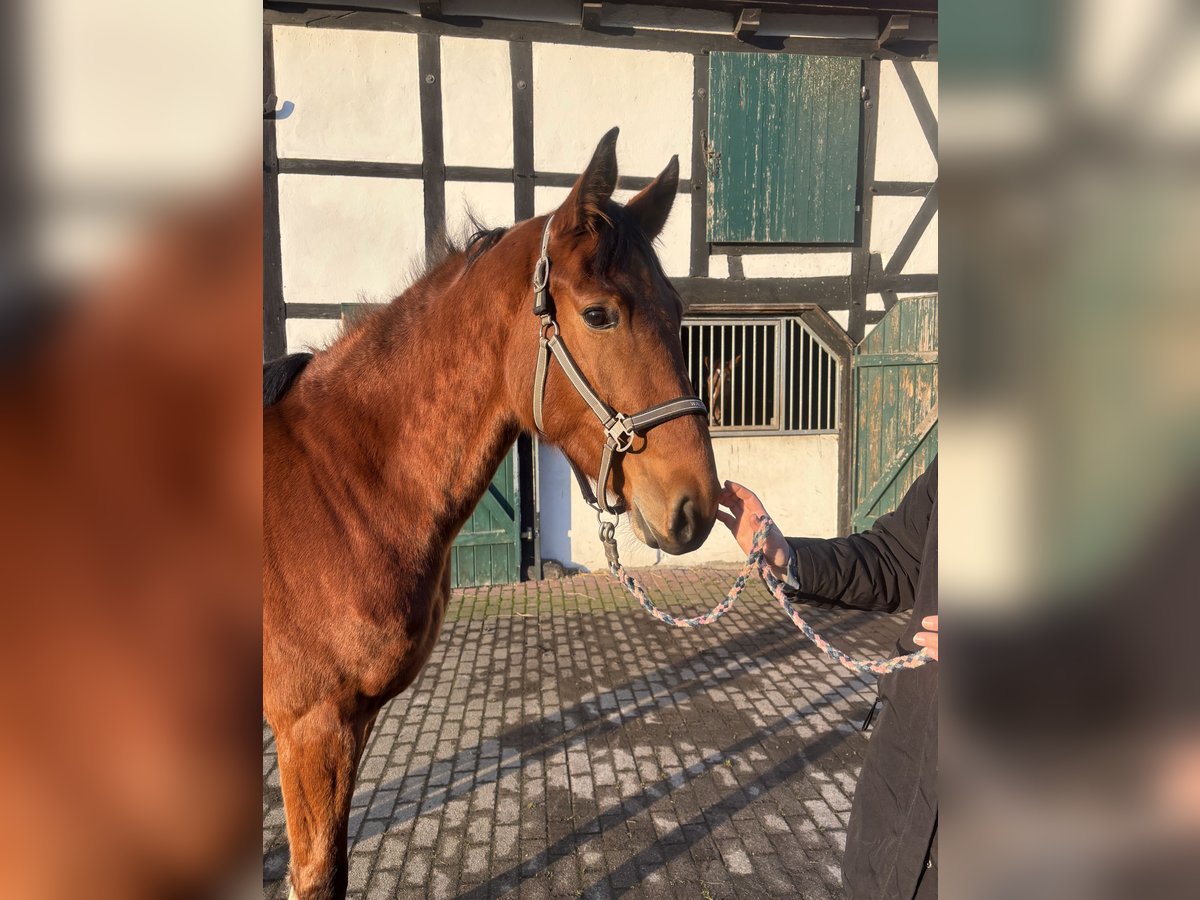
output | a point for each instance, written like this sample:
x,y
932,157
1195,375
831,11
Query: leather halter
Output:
x,y
619,429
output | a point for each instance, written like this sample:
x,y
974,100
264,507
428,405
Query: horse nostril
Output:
x,y
685,521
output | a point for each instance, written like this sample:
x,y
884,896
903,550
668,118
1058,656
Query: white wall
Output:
x,y
903,154
796,477
355,94
477,103
581,92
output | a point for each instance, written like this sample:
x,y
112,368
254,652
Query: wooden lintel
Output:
x,y
430,9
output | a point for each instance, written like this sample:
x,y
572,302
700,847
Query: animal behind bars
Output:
x,y
717,383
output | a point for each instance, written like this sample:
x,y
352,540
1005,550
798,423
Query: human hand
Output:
x,y
745,509
928,639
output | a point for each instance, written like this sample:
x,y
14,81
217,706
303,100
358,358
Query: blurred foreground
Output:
x,y
1070,447
130,443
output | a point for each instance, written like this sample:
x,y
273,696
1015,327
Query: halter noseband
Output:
x,y
619,429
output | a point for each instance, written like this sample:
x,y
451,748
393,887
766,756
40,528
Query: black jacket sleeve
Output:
x,y
875,570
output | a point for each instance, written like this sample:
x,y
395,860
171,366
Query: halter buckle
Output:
x,y
620,432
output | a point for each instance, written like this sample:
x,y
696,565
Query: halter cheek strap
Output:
x,y
619,429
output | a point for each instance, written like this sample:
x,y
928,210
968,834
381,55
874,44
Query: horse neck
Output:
x,y
419,390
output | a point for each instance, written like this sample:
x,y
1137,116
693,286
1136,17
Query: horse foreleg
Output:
x,y
318,755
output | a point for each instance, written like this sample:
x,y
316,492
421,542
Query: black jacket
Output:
x,y
891,844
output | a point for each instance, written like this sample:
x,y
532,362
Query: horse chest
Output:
x,y
393,647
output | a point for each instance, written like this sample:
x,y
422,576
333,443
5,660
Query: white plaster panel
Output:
x,y
477,103
796,477
492,204
795,265
842,317
903,154
356,94
875,302
581,92
349,239
674,245
718,266
311,334
889,220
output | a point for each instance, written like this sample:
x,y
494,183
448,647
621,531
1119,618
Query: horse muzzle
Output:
x,y
686,525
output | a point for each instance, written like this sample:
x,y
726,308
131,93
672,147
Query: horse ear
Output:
x,y
652,205
584,207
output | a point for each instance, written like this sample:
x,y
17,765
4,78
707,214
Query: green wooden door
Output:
x,y
783,147
488,549
896,399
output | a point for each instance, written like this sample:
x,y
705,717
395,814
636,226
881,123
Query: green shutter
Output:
x,y
783,155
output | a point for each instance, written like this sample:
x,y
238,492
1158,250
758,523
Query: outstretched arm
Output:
x,y
875,570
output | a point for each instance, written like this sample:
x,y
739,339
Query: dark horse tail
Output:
x,y
279,374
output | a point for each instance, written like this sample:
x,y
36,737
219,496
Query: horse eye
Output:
x,y
599,317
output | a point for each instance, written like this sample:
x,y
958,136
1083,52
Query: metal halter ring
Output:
x,y
608,537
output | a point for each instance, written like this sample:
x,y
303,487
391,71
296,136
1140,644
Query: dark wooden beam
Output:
x,y
433,163
349,168
274,313
698,262
520,54
314,310
430,9
860,262
901,188
829,292
908,284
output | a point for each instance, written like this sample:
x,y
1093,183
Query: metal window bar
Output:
x,y
763,375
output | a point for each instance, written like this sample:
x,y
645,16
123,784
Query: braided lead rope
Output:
x,y
757,560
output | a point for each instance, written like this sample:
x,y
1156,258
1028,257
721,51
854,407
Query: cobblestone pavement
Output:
x,y
561,743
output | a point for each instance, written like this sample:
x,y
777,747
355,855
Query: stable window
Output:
x,y
762,375
783,148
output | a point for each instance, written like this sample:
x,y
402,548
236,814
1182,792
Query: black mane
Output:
x,y
483,240
279,374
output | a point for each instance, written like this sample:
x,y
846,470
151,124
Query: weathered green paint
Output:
x,y
896,398
487,550
783,147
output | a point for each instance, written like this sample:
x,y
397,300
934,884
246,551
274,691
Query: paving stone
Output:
x,y
561,743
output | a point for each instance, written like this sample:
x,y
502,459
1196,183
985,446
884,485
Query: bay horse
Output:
x,y
376,451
